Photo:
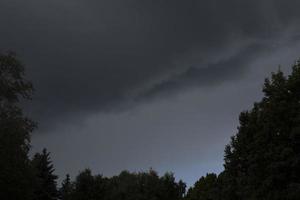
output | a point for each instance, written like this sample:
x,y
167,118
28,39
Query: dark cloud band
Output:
x,y
87,56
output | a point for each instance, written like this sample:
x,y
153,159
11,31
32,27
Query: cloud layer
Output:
x,y
87,56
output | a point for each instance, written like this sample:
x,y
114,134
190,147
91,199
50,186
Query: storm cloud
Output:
x,y
102,55
89,58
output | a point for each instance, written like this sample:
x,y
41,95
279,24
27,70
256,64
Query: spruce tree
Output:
x,y
66,189
45,188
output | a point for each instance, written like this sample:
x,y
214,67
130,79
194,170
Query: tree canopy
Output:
x,y
45,188
263,158
15,173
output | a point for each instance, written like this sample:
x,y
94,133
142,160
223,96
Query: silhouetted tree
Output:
x,y
170,188
84,186
16,177
45,188
66,189
263,159
206,188
128,186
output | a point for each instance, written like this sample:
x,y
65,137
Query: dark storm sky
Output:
x,y
133,84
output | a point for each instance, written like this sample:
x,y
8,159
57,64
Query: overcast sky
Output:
x,y
134,84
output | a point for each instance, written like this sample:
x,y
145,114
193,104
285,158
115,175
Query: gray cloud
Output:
x,y
209,75
87,56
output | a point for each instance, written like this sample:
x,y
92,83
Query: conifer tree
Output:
x,y
46,181
66,189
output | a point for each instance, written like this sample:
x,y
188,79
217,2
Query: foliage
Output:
x,y
263,158
128,186
66,189
15,173
45,188
206,188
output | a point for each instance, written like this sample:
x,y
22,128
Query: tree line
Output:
x,y
261,162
